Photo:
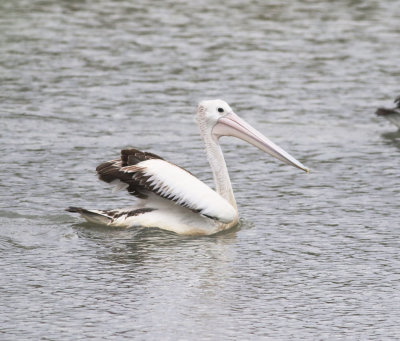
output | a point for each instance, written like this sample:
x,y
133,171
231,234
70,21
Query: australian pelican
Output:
x,y
170,197
392,115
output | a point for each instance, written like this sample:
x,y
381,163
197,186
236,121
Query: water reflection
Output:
x,y
137,246
392,138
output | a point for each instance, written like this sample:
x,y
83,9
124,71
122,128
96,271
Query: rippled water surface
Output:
x,y
315,256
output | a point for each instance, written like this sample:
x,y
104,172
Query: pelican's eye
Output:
x,y
220,110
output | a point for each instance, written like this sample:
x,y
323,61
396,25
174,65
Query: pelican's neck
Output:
x,y
220,171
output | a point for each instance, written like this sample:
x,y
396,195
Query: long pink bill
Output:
x,y
232,125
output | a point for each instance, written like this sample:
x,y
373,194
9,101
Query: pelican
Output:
x,y
172,198
392,115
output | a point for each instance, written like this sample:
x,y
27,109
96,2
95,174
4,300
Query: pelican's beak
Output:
x,y
232,125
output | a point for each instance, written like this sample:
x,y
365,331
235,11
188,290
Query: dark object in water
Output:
x,y
391,114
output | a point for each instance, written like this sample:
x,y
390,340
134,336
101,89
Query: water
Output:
x,y
315,257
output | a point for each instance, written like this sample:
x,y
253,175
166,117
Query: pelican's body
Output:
x,y
170,197
392,115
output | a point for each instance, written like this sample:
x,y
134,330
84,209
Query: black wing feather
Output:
x,y
137,182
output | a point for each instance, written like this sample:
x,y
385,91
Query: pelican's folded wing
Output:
x,y
141,172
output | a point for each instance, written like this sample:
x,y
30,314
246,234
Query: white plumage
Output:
x,y
187,190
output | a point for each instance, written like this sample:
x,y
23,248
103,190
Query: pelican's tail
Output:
x,y
93,216
124,217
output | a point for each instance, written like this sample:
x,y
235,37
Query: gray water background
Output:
x,y
316,256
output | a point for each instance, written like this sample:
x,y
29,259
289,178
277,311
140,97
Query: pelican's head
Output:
x,y
216,118
209,112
